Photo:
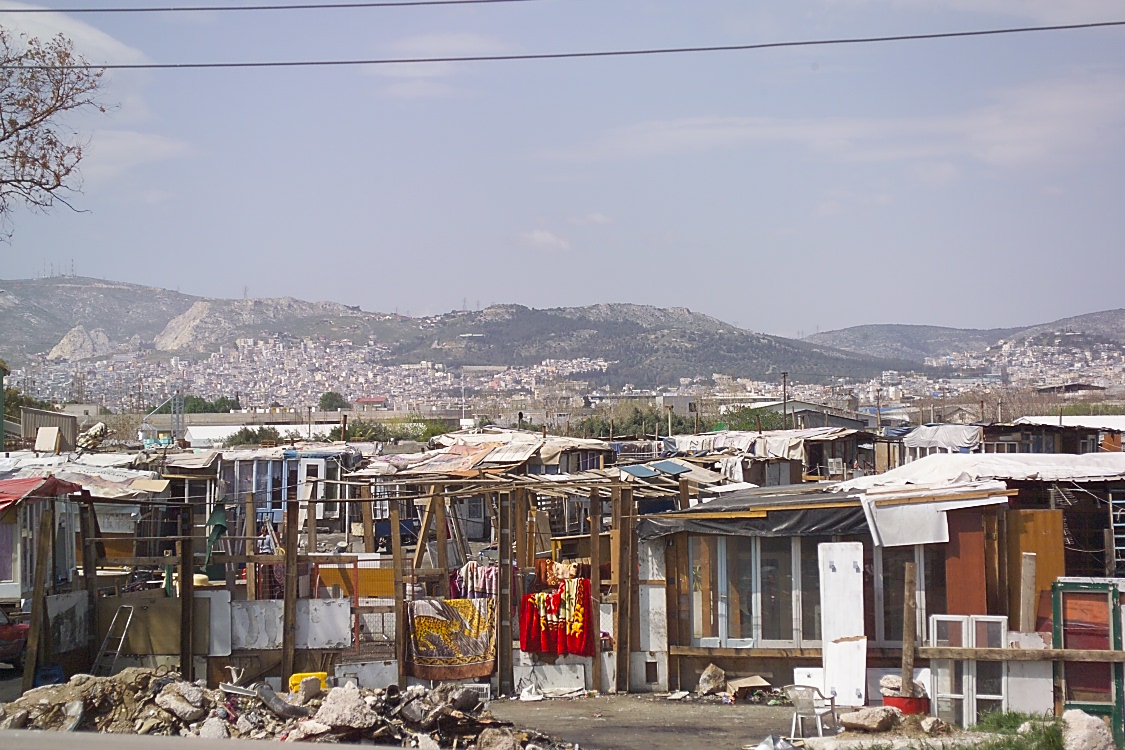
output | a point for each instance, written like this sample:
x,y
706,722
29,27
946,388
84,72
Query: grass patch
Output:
x,y
1045,733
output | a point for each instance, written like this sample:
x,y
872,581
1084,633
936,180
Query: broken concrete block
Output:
x,y
174,703
426,742
345,707
75,711
496,738
307,728
870,719
189,691
214,729
933,725
712,681
308,689
1081,731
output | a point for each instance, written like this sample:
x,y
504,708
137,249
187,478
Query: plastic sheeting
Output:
x,y
941,469
948,437
903,521
810,522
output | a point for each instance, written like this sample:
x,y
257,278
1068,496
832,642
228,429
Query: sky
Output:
x,y
961,182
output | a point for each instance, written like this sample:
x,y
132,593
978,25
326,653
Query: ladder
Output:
x,y
114,640
1117,525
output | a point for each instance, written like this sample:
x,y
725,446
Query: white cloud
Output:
x,y
93,44
594,219
541,239
1046,122
112,152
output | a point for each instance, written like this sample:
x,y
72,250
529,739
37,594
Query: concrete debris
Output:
x,y
891,685
1081,731
932,725
309,689
870,719
712,681
154,702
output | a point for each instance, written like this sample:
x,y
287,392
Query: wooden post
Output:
x,y
504,597
909,626
424,531
400,592
311,504
43,552
89,567
250,531
187,593
596,585
442,544
624,567
366,516
1110,552
521,527
289,608
684,491
1028,601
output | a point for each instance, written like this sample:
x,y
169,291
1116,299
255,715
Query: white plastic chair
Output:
x,y
810,703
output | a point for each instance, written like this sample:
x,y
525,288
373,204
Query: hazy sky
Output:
x,y
969,182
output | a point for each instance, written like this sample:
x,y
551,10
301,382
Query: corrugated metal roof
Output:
x,y
670,467
512,453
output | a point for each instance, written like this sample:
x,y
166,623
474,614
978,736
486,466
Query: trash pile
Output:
x,y
144,701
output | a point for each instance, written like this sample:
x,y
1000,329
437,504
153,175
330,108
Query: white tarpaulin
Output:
x,y
948,437
940,469
898,519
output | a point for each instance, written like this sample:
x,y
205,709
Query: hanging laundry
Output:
x,y
558,621
450,639
476,581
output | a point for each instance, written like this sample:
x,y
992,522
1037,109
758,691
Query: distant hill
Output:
x,y
36,314
76,318
915,343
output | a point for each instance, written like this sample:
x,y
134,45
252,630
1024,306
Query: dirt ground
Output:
x,y
635,722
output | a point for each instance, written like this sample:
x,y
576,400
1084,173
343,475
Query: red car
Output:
x,y
13,640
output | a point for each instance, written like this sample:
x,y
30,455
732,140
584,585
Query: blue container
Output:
x,y
50,674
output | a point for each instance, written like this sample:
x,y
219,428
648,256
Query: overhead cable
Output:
x,y
573,55
301,6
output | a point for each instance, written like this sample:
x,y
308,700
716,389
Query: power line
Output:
x,y
305,6
571,55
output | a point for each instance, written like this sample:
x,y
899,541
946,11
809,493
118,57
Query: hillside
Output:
x,y
911,343
915,343
650,345
77,318
36,314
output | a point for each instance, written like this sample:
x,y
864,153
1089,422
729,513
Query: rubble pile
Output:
x,y
143,701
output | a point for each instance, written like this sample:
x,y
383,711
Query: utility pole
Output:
x,y
878,408
785,399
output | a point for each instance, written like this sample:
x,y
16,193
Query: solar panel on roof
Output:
x,y
670,467
640,471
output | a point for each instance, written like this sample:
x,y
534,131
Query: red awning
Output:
x,y
14,490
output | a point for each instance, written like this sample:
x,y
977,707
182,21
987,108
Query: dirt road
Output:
x,y
634,722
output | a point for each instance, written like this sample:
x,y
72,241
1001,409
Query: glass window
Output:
x,y
894,589
933,558
7,548
704,552
740,587
777,588
810,587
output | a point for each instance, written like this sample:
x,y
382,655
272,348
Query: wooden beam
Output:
x,y
368,521
89,569
424,531
400,590
289,607
310,511
1022,654
685,503
596,586
909,626
520,523
504,596
754,653
187,594
623,566
43,552
442,529
250,529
